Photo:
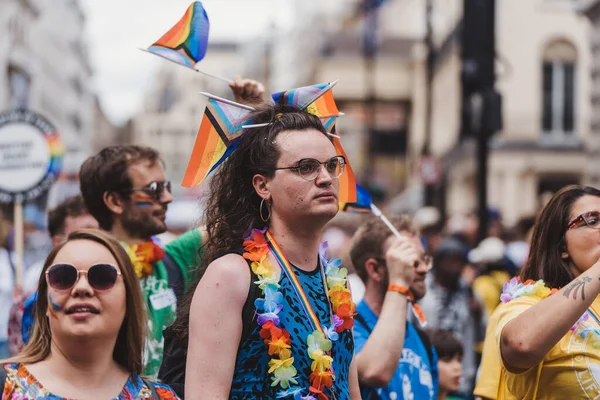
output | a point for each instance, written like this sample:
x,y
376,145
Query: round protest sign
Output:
x,y
30,155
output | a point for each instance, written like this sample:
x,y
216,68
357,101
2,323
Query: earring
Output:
x,y
260,209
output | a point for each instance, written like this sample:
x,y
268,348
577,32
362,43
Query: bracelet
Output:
x,y
392,287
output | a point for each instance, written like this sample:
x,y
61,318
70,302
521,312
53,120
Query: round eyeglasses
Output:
x,y
309,168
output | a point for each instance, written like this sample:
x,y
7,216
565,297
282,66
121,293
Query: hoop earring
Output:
x,y
260,209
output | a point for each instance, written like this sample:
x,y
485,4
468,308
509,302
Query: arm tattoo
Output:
x,y
578,285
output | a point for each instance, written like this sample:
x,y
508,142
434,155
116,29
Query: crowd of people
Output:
x,y
277,295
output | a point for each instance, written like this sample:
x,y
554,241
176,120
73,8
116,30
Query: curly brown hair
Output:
x,y
232,205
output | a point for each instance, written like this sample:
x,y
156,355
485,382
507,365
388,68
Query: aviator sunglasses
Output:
x,y
153,189
101,277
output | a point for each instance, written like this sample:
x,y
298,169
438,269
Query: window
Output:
x,y
558,90
19,87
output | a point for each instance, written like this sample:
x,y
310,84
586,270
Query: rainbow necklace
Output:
x,y
258,246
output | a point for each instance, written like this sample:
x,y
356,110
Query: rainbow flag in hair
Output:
x,y
362,203
186,42
347,180
324,105
217,137
329,124
347,192
316,99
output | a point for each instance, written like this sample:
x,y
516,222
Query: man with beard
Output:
x,y
125,189
394,357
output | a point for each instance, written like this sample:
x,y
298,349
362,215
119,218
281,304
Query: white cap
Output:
x,y
489,250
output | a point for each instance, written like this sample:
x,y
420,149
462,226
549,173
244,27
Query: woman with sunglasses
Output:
x,y
267,208
549,331
89,328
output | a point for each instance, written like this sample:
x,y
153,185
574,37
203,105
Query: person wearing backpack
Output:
x,y
89,330
266,211
395,359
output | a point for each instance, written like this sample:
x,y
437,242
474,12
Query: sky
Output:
x,y
116,29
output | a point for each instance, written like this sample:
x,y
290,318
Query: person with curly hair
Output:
x,y
266,211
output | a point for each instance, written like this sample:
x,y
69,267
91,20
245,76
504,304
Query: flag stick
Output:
x,y
231,103
18,242
188,67
214,76
386,221
256,125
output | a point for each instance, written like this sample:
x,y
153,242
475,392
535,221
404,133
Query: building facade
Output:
x,y
45,67
592,11
543,62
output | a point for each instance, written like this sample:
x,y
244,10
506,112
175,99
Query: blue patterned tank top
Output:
x,y
251,379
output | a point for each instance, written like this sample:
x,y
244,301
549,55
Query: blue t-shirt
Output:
x,y
415,377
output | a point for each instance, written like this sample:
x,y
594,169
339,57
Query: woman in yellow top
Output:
x,y
549,331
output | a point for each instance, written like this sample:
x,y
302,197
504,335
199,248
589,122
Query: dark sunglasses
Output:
x,y
153,189
100,277
309,168
590,218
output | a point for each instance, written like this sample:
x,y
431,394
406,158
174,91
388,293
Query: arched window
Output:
x,y
558,97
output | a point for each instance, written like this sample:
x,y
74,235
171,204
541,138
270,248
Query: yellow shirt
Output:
x,y
489,370
489,287
570,370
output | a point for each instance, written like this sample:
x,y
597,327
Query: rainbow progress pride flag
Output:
x,y
316,99
217,137
186,42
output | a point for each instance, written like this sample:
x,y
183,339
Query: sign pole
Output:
x,y
19,242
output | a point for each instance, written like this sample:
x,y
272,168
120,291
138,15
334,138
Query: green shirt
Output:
x,y
160,299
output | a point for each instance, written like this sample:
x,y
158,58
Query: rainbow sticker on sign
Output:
x,y
31,155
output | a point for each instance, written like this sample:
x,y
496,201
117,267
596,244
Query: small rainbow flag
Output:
x,y
316,99
347,192
186,42
362,204
217,137
347,180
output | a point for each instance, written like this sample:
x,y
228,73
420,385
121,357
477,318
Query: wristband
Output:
x,y
392,287
416,309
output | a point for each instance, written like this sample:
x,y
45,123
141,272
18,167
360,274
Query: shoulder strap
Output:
x,y
359,318
427,344
248,312
175,276
152,388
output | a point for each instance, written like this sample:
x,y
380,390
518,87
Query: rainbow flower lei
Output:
x,y
515,288
277,338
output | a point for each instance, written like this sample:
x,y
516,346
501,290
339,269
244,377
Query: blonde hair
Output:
x,y
129,346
